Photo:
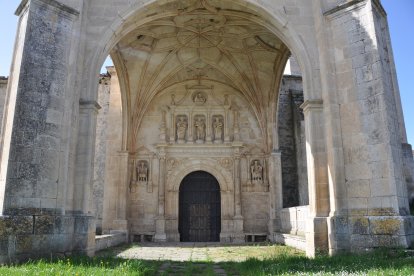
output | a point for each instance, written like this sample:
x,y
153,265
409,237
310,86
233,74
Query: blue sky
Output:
x,y
400,19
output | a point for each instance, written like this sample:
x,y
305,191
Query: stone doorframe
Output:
x,y
231,223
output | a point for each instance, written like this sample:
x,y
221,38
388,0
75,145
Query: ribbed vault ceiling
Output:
x,y
206,41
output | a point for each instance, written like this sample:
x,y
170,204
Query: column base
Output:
x,y
160,235
317,236
26,237
238,222
360,233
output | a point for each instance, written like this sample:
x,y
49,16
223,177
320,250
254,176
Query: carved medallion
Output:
x,y
199,97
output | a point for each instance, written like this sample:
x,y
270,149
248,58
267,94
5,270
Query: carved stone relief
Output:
x,y
141,171
199,117
200,129
256,172
182,125
218,126
226,163
199,98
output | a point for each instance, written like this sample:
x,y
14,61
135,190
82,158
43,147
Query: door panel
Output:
x,y
199,214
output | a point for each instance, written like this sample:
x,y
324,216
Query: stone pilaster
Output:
x,y
372,209
121,223
275,191
238,216
35,146
83,199
160,221
317,232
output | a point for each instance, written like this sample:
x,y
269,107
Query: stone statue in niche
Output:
x,y
200,129
218,129
142,171
181,128
256,170
199,98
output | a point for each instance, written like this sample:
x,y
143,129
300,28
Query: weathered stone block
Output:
x,y
24,244
84,224
64,224
340,224
359,225
44,224
386,226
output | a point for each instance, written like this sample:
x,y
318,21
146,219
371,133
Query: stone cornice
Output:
x,y
353,4
52,3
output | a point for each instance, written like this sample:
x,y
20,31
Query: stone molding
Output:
x,y
89,104
53,3
312,104
348,6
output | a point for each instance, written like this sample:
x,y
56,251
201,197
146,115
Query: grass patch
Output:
x,y
262,260
375,263
81,265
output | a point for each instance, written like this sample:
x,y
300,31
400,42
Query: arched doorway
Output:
x,y
199,211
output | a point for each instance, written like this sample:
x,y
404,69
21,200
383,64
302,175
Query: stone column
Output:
x,y
275,192
35,147
173,126
85,152
226,125
238,217
368,192
208,128
163,127
120,224
160,235
190,138
317,232
236,127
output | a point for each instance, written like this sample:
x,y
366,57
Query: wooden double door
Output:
x,y
199,208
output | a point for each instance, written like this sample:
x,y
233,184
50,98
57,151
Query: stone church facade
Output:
x,y
196,134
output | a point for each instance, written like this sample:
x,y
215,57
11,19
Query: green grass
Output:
x,y
81,265
279,260
376,263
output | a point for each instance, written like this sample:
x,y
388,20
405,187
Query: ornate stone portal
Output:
x,y
199,130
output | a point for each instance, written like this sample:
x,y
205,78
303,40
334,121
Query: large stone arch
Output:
x,y
48,150
268,17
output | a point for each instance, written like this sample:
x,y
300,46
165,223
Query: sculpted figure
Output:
x,y
142,172
181,128
257,171
200,127
218,129
199,98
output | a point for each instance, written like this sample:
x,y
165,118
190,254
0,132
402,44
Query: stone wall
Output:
x,y
293,220
100,150
292,142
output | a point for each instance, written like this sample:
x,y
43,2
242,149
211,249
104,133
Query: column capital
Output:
x,y
312,104
88,104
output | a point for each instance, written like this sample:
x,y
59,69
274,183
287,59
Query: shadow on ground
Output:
x,y
380,262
